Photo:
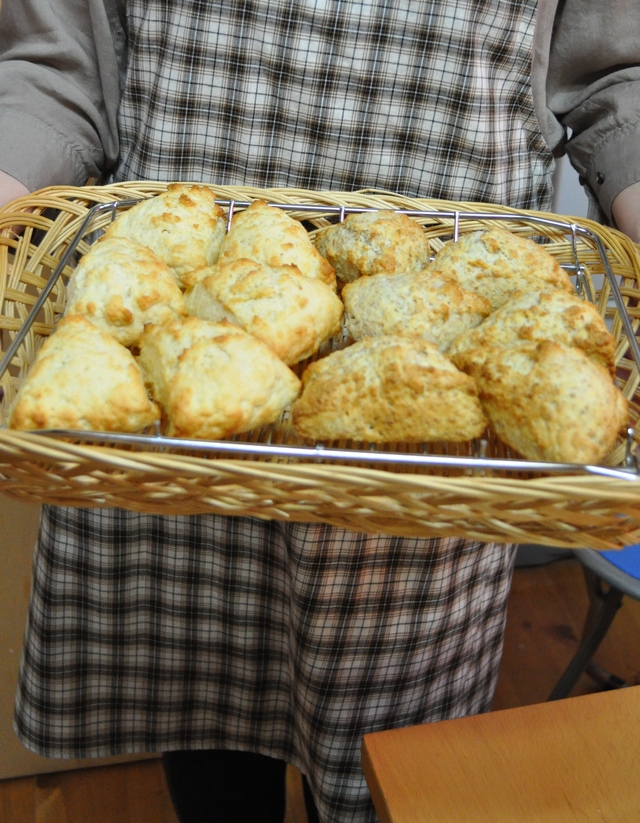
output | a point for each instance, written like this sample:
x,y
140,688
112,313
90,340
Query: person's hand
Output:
x,y
626,211
10,188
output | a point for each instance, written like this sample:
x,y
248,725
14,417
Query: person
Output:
x,y
232,644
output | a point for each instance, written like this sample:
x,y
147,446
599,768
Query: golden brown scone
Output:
x,y
497,263
435,308
291,313
214,379
551,402
535,316
270,236
388,389
121,286
82,379
382,242
184,226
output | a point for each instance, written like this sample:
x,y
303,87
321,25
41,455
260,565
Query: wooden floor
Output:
x,y
546,610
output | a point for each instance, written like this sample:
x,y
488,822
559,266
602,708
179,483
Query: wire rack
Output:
x,y
603,265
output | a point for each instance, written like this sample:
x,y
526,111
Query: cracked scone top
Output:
x,y
381,242
122,286
550,402
183,225
497,263
270,236
214,379
535,316
83,379
412,304
387,389
291,313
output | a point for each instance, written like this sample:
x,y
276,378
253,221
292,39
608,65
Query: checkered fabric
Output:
x,y
157,633
424,98
148,633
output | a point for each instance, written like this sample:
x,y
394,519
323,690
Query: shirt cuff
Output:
x,y
614,165
36,154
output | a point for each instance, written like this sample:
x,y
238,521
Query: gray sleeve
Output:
x,y
61,65
593,92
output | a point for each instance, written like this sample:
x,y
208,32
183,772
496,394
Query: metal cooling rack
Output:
x,y
476,462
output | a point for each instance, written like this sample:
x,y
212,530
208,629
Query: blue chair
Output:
x,y
609,577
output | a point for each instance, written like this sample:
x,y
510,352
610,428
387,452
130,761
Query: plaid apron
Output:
x,y
421,97
150,633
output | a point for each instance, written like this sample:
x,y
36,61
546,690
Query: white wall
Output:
x,y
569,197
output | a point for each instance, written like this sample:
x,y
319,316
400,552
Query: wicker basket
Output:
x,y
573,509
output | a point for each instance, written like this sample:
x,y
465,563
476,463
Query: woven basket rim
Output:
x,y
48,469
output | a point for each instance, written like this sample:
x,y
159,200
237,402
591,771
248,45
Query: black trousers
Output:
x,y
214,786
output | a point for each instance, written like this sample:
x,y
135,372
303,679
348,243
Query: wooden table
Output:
x,y
572,760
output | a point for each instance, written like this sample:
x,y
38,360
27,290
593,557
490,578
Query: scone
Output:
x,y
291,313
497,263
214,379
270,236
184,226
387,389
535,316
435,308
82,379
121,286
380,242
551,402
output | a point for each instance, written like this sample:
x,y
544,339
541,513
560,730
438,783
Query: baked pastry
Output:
x,y
535,316
270,236
291,313
435,308
121,286
184,226
82,379
551,402
497,263
214,379
380,242
387,389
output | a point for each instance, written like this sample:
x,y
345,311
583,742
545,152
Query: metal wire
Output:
x,y
265,448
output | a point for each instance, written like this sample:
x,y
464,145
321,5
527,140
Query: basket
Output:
x,y
457,495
